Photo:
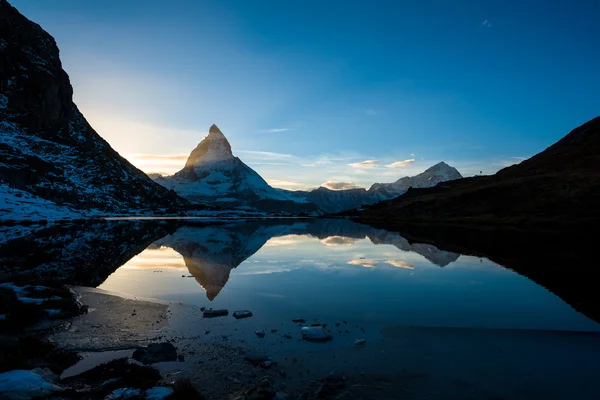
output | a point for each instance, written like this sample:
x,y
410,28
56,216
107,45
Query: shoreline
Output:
x,y
403,361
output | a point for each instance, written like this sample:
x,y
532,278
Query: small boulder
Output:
x,y
360,342
242,314
214,313
316,334
156,352
259,333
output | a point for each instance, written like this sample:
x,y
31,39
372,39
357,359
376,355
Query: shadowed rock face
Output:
x,y
47,147
215,147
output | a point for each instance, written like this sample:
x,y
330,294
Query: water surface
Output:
x,y
337,270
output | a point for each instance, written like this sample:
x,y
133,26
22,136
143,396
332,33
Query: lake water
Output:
x,y
330,271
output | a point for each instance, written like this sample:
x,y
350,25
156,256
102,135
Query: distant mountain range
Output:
x,y
213,175
51,160
557,187
333,201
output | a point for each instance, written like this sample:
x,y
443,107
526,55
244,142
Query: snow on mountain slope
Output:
x,y
440,172
333,201
47,148
18,204
212,174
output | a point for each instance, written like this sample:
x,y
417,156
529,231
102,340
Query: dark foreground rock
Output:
x,y
214,313
28,352
156,352
25,304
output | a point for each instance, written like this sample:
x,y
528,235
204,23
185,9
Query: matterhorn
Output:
x,y
213,175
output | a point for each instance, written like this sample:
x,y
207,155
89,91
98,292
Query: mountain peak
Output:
x,y
213,148
214,129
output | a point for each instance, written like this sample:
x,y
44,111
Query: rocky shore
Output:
x,y
131,348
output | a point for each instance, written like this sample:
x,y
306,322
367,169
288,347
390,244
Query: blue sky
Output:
x,y
307,91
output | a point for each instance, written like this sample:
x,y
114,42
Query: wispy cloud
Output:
x,y
275,130
364,164
486,24
285,184
333,185
268,155
165,164
400,264
338,241
363,262
160,157
400,164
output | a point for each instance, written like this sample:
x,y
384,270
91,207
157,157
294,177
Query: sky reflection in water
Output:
x,y
360,275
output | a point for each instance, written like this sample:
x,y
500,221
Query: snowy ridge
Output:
x,y
440,172
333,201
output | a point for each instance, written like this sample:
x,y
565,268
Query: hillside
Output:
x,y
49,154
559,186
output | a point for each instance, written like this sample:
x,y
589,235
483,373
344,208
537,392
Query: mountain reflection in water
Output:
x,y
337,270
211,252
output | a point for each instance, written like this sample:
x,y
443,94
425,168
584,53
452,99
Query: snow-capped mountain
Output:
x,y
49,154
333,201
212,174
440,172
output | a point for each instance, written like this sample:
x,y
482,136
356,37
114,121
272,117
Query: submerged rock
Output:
x,y
360,342
256,357
242,314
156,352
316,334
158,393
215,313
259,333
124,393
299,320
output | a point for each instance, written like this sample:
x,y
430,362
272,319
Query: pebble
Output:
x,y
316,334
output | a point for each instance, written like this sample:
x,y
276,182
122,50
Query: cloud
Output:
x,y
285,184
364,164
364,263
486,24
412,155
338,241
333,185
400,164
400,264
268,155
160,157
166,164
276,130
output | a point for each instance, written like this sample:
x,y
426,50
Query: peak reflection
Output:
x,y
211,252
